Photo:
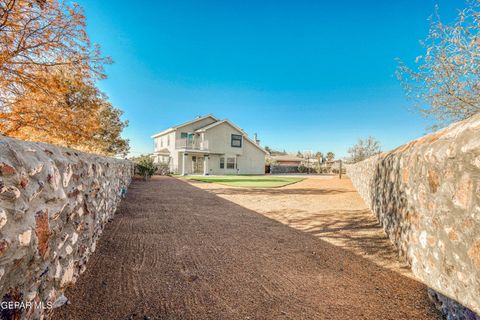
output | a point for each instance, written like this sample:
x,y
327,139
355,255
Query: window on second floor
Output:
x,y
236,141
188,136
168,140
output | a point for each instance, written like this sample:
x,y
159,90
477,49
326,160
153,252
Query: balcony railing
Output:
x,y
191,144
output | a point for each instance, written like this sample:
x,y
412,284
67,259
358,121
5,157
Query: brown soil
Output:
x,y
175,251
326,207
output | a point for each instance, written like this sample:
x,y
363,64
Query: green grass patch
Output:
x,y
247,181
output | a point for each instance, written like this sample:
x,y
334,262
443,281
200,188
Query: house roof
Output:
x,y
210,126
226,121
184,124
255,144
162,151
287,157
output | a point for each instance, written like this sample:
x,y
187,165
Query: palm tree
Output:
x,y
330,156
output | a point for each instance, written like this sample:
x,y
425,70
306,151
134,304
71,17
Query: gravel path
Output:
x,y
175,251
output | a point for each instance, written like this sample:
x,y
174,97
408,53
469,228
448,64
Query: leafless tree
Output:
x,y
445,81
365,148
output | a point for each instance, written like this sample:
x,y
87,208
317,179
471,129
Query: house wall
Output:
x,y
252,161
176,158
219,139
165,141
214,165
54,204
192,127
219,142
426,195
176,163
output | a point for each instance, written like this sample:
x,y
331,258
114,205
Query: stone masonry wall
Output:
x,y
426,194
54,203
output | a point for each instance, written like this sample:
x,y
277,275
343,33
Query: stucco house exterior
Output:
x,y
207,145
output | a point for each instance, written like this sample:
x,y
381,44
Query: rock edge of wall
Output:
x,y
426,195
54,204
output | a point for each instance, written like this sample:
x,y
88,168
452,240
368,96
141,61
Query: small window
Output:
x,y
236,141
230,163
222,163
168,140
161,142
183,135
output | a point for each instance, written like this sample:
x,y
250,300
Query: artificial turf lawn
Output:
x,y
248,181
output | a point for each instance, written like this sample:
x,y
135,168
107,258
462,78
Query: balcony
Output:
x,y
191,144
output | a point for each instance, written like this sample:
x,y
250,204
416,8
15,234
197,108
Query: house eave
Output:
x,y
163,133
244,134
183,125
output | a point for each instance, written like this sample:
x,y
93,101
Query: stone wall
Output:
x,y
54,203
426,194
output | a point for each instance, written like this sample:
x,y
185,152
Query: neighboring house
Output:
x,y
287,160
207,145
284,164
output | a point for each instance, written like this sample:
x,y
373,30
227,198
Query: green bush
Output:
x,y
145,167
302,168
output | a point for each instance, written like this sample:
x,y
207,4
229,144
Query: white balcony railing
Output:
x,y
191,144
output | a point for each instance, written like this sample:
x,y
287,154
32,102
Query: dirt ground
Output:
x,y
180,250
325,206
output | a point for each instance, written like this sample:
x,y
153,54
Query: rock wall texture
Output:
x,y
54,203
426,194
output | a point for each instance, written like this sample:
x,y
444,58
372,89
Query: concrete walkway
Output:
x,y
175,251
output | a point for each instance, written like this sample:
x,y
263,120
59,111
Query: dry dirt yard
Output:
x,y
324,206
192,250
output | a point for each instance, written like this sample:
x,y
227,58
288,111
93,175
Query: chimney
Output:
x,y
255,138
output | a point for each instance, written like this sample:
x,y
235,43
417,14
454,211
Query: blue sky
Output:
x,y
304,75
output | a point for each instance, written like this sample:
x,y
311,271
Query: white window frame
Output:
x,y
222,163
233,163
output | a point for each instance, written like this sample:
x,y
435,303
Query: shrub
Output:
x,y
163,169
145,166
302,168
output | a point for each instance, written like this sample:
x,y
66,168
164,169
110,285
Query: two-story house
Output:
x,y
208,145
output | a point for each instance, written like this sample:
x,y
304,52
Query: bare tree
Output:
x,y
445,82
365,148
